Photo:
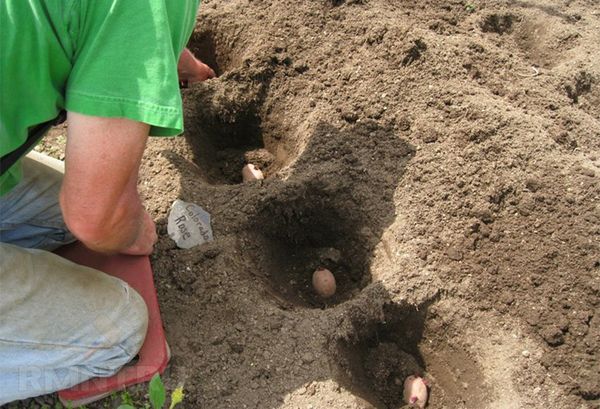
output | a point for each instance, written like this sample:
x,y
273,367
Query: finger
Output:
x,y
207,72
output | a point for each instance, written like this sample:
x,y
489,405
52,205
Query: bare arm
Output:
x,y
99,196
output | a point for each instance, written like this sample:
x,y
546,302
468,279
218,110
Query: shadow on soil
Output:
x,y
330,212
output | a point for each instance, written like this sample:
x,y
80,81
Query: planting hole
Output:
x,y
225,129
303,232
222,147
375,360
225,125
497,23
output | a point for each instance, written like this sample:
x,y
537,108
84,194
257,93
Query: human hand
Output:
x,y
144,243
191,69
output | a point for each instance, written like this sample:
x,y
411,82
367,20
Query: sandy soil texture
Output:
x,y
441,158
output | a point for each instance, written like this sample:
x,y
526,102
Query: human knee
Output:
x,y
127,335
134,324
139,321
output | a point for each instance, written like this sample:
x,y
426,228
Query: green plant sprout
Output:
x,y
126,398
470,7
157,395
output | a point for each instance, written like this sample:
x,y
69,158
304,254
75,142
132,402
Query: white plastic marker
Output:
x,y
189,224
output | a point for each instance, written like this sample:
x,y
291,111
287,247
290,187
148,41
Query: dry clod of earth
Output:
x,y
409,149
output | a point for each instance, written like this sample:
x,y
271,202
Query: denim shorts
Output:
x,y
60,323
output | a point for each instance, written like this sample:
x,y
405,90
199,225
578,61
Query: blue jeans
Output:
x,y
60,323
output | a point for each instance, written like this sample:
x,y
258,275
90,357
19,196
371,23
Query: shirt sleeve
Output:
x,y
125,60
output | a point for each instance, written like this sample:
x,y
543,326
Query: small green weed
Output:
x,y
157,395
470,7
126,398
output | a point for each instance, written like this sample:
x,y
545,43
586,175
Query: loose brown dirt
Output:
x,y
442,158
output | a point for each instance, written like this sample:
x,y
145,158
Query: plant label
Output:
x,y
189,224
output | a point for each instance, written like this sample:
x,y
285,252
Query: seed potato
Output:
x,y
415,391
323,282
251,173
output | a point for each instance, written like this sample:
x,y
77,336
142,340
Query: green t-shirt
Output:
x,y
108,58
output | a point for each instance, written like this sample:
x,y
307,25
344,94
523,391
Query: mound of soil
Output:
x,y
442,159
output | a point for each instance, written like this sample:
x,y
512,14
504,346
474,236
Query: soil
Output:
x,y
442,159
